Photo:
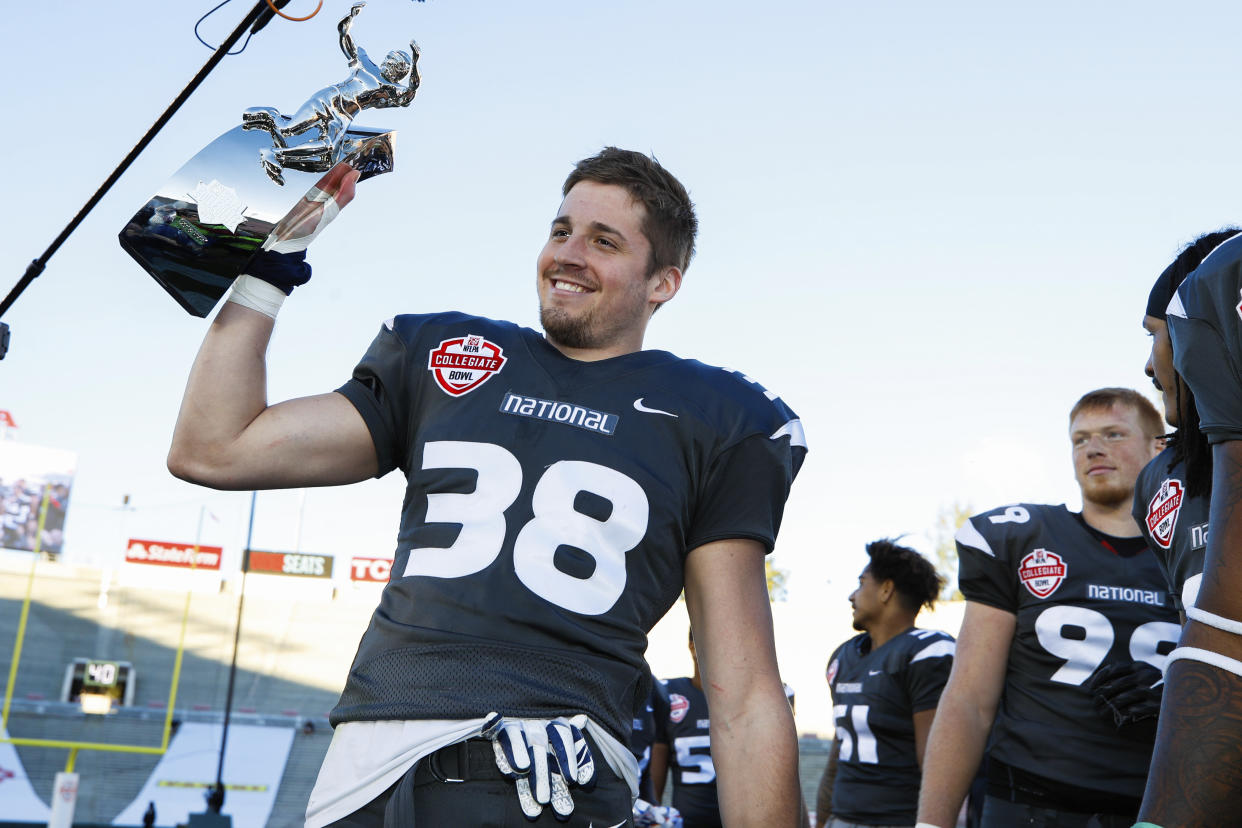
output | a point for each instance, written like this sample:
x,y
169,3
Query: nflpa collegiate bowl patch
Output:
x,y
677,707
1162,512
462,364
1042,572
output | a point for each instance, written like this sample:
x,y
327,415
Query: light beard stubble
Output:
x,y
564,329
1109,496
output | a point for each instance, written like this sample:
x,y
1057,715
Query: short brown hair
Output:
x,y
669,222
1149,417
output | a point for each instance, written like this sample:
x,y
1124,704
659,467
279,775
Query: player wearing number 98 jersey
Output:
x,y
1054,597
1083,600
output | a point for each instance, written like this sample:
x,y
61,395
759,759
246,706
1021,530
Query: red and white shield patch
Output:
x,y
1042,572
462,364
678,706
832,671
1162,512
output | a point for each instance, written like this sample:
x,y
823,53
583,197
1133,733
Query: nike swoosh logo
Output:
x,y
874,672
618,825
638,406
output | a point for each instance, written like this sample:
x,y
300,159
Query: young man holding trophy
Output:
x,y
562,489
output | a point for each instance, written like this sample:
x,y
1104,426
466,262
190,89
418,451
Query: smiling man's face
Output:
x,y
596,291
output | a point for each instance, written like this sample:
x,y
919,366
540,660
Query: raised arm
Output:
x,y
967,707
228,437
754,743
347,40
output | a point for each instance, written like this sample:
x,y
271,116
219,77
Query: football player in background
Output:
x,y
1196,772
683,726
551,517
885,683
1171,493
1052,596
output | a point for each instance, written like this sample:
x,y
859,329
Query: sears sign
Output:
x,y
290,563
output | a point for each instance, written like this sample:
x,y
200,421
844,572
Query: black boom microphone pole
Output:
x,y
256,19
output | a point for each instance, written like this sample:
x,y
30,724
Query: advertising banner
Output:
x,y
25,473
370,569
290,563
169,553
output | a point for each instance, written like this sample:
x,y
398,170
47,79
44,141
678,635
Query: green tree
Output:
x,y
778,580
948,522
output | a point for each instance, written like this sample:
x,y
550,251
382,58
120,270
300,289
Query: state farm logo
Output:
x,y
462,364
1042,572
1162,512
832,671
678,707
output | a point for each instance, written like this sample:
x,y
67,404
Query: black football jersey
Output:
x,y
1206,328
875,694
684,724
1079,606
642,735
549,508
1174,524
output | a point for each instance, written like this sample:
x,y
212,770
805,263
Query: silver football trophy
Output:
x,y
197,233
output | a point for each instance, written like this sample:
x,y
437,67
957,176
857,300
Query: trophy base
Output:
x,y
196,261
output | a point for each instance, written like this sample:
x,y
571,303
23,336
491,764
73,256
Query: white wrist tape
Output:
x,y
1211,619
257,294
926,825
330,211
1230,665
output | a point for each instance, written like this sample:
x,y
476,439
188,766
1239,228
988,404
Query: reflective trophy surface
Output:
x,y
196,234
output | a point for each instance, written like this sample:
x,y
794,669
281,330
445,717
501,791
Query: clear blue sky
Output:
x,y
929,227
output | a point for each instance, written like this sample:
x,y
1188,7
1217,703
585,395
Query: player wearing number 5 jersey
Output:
x,y
1054,597
885,686
560,491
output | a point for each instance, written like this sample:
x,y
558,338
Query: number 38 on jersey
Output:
x,y
555,523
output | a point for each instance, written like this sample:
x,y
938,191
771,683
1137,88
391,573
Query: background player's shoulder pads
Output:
x,y
994,531
930,644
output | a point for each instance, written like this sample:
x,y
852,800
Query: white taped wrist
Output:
x,y
926,825
1223,662
1211,619
257,294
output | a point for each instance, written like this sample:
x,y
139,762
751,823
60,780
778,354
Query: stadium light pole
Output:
x,y
215,798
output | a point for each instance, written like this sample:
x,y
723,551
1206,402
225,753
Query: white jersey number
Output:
x,y
555,523
702,760
1091,637
854,718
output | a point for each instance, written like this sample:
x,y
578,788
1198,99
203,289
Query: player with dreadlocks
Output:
x,y
1171,493
1196,773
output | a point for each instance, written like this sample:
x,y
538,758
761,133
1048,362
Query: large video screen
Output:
x,y
27,473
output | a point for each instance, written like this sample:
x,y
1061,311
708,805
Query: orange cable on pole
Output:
x,y
272,6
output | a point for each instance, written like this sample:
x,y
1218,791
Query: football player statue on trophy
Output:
x,y
330,111
201,228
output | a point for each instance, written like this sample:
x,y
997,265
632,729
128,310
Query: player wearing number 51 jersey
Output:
x,y
885,686
1054,597
560,491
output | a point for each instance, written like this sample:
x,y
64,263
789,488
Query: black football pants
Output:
x,y
485,798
